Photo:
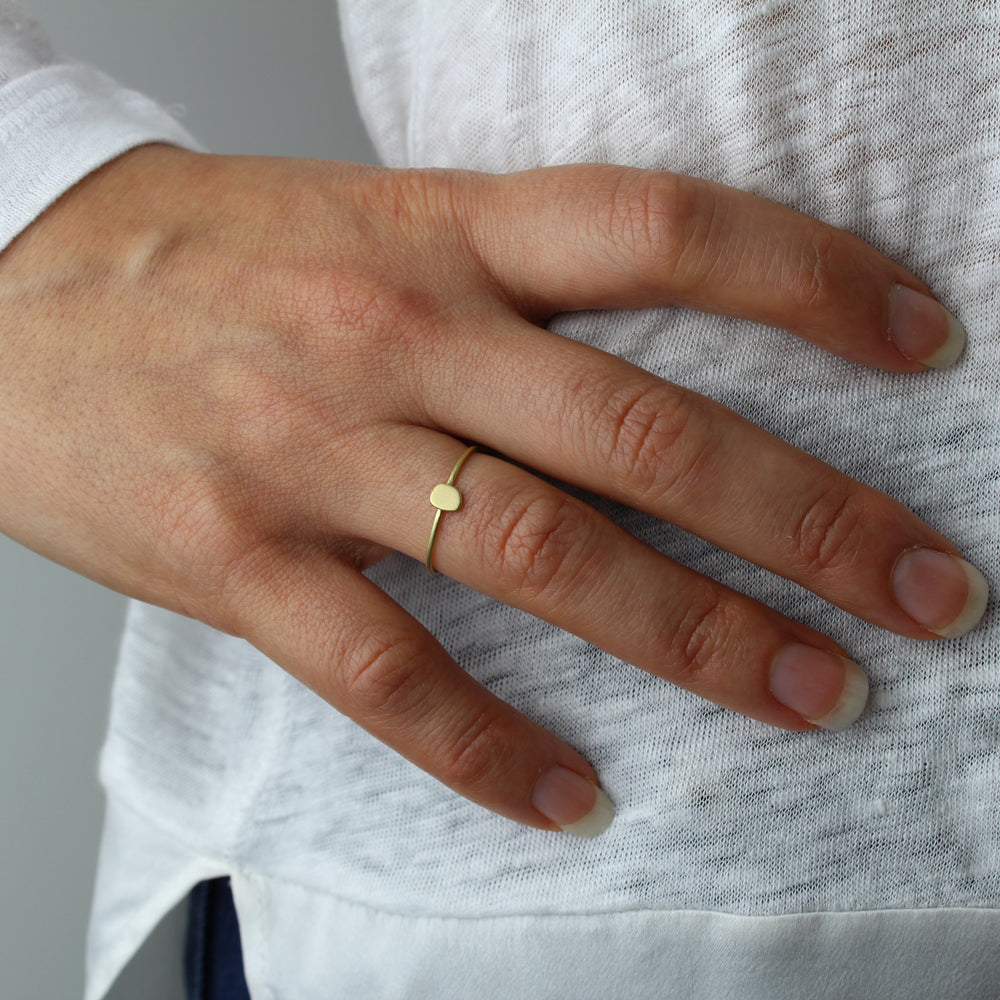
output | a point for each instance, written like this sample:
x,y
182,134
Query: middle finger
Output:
x,y
591,419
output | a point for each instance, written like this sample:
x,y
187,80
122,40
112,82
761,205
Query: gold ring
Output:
x,y
445,496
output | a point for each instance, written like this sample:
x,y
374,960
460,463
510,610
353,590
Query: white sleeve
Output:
x,y
60,120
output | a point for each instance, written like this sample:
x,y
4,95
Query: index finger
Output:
x,y
605,237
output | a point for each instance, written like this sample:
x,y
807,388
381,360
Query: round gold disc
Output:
x,y
446,497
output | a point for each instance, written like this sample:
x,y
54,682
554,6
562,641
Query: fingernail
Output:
x,y
575,804
942,592
922,329
827,690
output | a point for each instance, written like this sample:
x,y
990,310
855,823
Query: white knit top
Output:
x,y
745,861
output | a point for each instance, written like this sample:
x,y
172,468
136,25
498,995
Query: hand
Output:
x,y
229,384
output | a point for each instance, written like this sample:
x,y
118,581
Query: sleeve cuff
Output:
x,y
58,124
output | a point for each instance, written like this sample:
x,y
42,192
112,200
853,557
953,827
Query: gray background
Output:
x,y
254,77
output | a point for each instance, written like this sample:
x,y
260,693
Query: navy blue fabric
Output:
x,y
213,956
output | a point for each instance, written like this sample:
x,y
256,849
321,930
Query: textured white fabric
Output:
x,y
59,121
744,860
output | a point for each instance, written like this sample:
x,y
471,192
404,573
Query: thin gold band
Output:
x,y
445,496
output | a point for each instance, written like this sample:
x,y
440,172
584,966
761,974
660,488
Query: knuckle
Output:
x,y
383,678
656,217
362,305
371,324
209,551
813,287
659,439
535,540
265,424
412,195
436,207
198,515
199,531
831,530
475,754
697,641
362,284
